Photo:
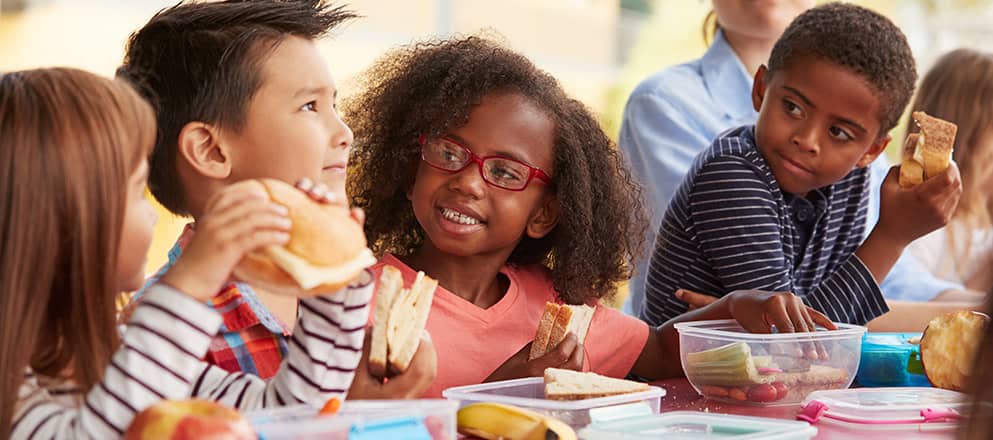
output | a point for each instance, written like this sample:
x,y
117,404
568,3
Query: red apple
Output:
x,y
949,346
189,419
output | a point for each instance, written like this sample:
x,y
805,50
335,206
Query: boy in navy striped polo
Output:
x,y
781,205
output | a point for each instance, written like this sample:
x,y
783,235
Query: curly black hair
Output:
x,y
858,39
430,88
201,61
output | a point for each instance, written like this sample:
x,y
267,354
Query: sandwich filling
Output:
x,y
309,276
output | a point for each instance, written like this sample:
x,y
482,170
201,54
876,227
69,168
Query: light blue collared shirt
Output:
x,y
675,114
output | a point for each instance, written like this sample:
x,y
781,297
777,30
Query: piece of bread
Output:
x,y
911,172
390,285
400,317
556,322
929,153
574,385
326,250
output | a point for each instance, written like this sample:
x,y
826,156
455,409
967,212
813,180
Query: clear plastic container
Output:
x,y
428,419
687,425
888,409
723,362
891,360
529,393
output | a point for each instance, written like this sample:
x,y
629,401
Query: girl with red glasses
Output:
x,y
474,166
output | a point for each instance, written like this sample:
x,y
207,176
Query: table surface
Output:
x,y
680,396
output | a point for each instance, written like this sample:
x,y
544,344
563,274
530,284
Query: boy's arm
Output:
x,y
912,316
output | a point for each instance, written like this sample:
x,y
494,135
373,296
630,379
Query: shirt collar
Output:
x,y
726,79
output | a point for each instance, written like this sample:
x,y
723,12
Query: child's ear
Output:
x,y
758,87
874,151
545,218
199,145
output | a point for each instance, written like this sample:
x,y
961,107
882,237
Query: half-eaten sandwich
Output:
x,y
326,251
574,385
928,153
556,322
400,315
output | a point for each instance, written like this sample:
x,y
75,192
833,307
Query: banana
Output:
x,y
495,421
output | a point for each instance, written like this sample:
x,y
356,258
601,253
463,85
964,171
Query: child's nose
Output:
x,y
805,139
343,135
469,182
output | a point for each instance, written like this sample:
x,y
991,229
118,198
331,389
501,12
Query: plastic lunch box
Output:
x,y
891,360
890,409
427,419
725,363
686,425
529,393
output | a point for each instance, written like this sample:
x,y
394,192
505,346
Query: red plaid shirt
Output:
x,y
251,339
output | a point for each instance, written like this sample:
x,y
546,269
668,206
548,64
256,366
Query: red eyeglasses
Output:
x,y
502,172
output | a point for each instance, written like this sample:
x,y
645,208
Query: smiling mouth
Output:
x,y
458,217
337,168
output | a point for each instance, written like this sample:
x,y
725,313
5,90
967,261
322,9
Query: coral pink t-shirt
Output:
x,y
472,342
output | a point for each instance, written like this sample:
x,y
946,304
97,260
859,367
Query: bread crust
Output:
x,y
540,344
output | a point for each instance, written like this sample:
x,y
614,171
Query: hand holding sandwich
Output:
x,y
410,384
906,214
238,220
567,355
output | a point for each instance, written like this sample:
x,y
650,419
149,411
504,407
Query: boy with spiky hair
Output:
x,y
781,205
242,91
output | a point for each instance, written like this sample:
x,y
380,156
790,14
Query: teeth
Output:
x,y
457,217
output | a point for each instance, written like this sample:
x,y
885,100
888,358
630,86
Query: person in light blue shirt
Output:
x,y
676,113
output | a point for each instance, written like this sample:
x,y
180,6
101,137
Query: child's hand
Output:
x,y
567,355
238,220
906,214
410,384
322,194
694,300
757,311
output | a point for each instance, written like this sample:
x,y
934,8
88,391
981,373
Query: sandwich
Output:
x,y
574,385
400,315
928,153
556,322
326,250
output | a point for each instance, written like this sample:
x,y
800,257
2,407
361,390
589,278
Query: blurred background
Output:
x,y
599,49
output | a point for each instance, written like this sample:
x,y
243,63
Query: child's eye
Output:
x,y
792,108
309,107
505,172
839,134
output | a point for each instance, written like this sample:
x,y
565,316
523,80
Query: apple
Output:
x,y
948,348
189,419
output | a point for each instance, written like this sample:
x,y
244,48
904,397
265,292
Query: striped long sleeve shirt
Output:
x,y
161,358
730,227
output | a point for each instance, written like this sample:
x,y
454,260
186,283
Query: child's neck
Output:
x,y
752,52
476,278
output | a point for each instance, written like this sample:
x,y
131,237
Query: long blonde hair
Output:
x,y
959,88
68,142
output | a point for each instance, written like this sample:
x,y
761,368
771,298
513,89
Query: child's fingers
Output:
x,y
244,190
249,215
562,352
575,361
820,319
